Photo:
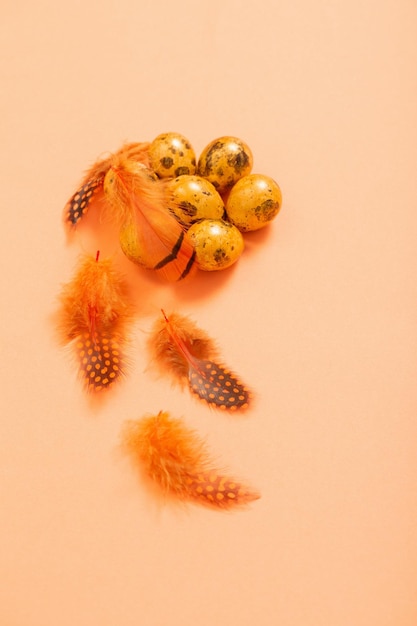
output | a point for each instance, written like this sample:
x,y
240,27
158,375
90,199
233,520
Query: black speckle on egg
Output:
x,y
266,211
166,162
211,154
188,208
181,171
238,161
220,255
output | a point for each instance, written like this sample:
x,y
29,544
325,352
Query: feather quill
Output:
x,y
190,357
176,461
94,318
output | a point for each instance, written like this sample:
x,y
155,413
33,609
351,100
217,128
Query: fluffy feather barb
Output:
x,y
175,459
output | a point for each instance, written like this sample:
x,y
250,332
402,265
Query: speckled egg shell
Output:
x,y
193,198
218,244
133,248
253,202
224,161
171,155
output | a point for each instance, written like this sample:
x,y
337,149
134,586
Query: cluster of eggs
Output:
x,y
216,198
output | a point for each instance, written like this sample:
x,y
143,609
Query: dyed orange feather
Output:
x,y
136,197
90,190
187,354
94,317
132,195
175,459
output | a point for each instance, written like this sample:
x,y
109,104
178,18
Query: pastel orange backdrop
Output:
x,y
319,316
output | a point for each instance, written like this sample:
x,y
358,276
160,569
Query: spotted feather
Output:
x,y
217,385
187,354
175,461
79,203
94,318
100,358
91,187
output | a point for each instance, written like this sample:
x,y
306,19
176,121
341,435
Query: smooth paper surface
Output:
x,y
318,316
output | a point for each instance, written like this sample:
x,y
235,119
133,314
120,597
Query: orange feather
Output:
x,y
90,190
133,196
176,461
187,354
93,318
136,197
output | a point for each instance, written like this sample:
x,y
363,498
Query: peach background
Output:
x,y
319,315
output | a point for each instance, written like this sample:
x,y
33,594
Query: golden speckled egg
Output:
x,y
253,202
193,198
171,155
218,244
135,248
224,161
